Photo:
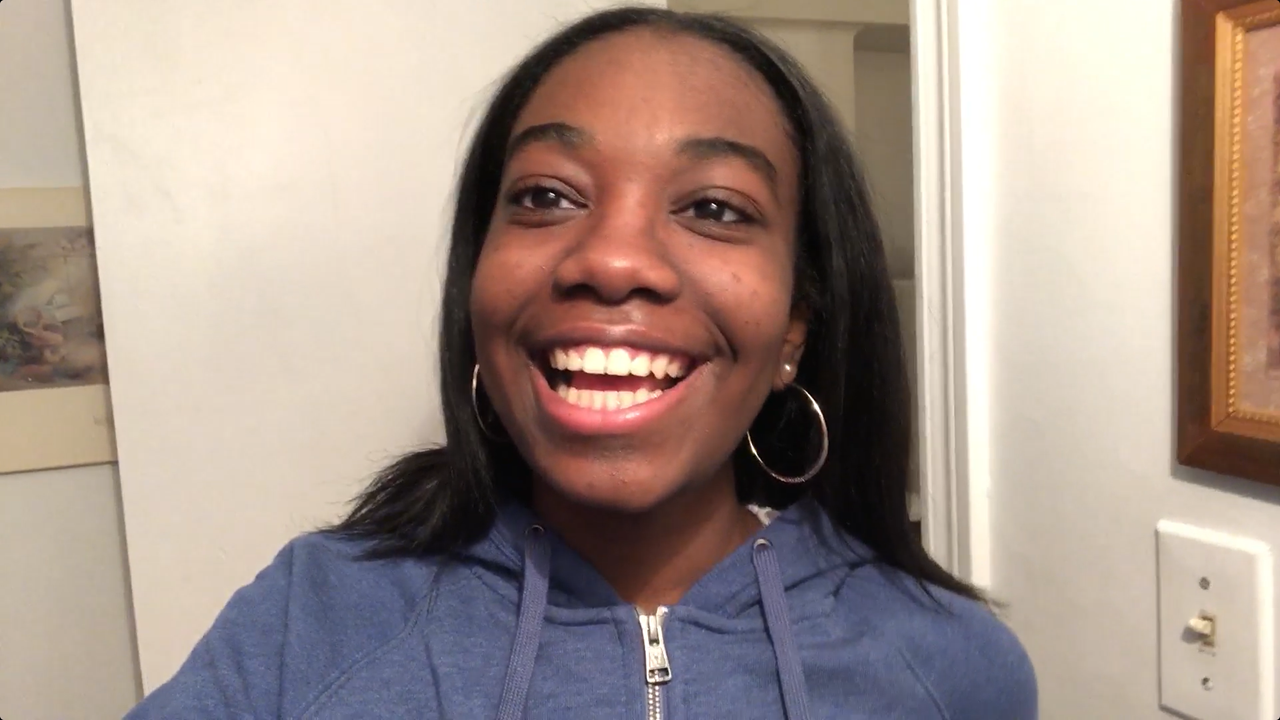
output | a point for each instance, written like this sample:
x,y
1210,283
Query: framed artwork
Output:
x,y
54,406
1229,244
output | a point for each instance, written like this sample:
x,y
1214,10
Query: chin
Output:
x,y
630,489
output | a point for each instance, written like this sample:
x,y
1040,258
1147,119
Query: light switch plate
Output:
x,y
1228,581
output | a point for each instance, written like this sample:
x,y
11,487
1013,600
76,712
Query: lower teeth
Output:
x,y
606,399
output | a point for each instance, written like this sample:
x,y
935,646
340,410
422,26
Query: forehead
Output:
x,y
646,87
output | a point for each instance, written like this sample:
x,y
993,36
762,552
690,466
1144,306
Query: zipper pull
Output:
x,y
657,669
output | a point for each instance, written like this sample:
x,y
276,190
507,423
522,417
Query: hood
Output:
x,y
814,557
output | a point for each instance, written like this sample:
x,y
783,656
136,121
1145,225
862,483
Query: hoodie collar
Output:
x,y
814,556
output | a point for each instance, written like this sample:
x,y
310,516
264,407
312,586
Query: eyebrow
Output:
x,y
711,148
698,148
559,133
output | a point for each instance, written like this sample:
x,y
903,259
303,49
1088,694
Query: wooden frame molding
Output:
x,y
1215,430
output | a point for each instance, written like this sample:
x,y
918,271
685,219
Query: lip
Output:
x,y
633,337
581,421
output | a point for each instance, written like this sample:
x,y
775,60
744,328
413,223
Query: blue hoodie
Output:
x,y
799,623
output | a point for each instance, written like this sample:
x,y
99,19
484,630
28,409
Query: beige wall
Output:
x,y
39,139
889,12
1081,212
883,138
871,91
66,641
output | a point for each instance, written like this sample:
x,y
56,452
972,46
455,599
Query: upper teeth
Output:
x,y
596,360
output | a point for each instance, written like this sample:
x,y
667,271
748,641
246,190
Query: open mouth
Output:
x,y
607,378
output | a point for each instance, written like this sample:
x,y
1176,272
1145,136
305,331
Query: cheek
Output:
x,y
496,289
753,302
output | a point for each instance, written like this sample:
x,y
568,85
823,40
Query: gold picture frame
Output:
x,y
51,426
1229,244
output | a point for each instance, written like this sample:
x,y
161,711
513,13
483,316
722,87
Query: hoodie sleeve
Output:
x,y
999,682
234,671
975,668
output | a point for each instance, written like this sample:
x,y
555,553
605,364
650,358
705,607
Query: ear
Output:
x,y
792,348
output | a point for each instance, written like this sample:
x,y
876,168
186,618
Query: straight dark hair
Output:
x,y
438,500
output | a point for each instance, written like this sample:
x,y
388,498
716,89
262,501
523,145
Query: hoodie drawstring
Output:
x,y
795,698
533,604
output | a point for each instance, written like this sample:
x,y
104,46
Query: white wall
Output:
x,y
269,183
66,640
1082,243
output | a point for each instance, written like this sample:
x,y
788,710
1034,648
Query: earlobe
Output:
x,y
785,377
792,350
789,368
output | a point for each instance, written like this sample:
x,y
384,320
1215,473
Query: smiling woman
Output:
x,y
666,315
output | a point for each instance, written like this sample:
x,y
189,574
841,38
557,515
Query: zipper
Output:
x,y
657,669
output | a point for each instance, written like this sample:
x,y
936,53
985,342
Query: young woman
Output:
x,y
666,309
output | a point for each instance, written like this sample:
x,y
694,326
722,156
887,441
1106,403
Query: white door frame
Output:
x,y
951,287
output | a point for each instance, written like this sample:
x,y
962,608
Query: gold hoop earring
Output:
x,y
475,405
822,456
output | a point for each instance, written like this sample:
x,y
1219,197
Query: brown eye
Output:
x,y
542,198
716,211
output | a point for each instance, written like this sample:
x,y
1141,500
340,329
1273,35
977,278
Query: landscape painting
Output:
x,y
50,320
1254,229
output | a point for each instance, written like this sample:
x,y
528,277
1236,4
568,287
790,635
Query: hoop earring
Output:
x,y
475,405
822,456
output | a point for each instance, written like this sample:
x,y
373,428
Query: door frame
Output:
x,y
951,295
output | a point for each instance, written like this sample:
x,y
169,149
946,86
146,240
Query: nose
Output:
x,y
620,254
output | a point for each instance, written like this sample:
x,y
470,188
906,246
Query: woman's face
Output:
x,y
632,306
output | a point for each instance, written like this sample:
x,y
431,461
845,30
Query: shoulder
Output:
x,y
324,577
966,658
333,569
299,626
342,606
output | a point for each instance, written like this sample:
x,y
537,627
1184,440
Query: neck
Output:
x,y
653,557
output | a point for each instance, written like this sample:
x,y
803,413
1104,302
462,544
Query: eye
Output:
x,y
716,211
541,198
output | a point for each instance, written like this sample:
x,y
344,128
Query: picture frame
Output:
x,y
1228,329
56,423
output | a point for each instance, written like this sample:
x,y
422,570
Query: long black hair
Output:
x,y
440,499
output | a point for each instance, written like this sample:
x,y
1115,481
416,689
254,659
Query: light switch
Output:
x,y
1217,616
